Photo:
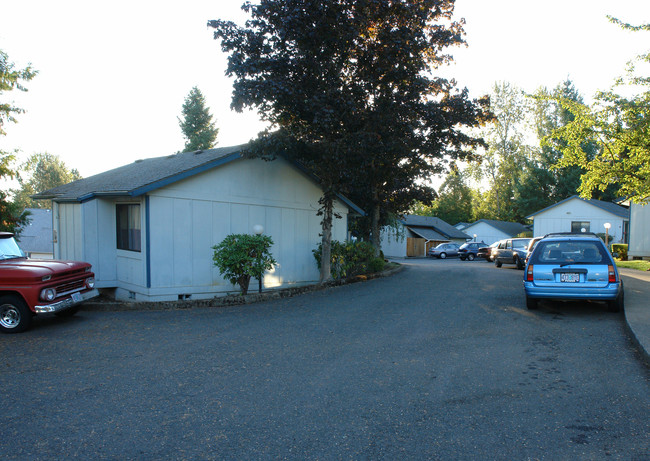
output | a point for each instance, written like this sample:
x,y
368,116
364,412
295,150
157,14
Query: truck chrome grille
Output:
x,y
70,287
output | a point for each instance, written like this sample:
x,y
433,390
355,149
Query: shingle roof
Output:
x,y
610,207
143,176
507,227
437,224
427,233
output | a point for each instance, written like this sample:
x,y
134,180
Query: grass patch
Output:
x,y
638,265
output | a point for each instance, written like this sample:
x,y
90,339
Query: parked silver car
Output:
x,y
444,250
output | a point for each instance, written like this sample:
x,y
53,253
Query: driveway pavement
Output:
x,y
440,361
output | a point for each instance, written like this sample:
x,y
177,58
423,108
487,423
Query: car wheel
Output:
x,y
442,255
497,263
531,303
519,263
15,316
617,305
470,257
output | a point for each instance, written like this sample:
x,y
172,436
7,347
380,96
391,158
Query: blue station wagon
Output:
x,y
569,266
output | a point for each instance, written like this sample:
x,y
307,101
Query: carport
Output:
x,y
423,239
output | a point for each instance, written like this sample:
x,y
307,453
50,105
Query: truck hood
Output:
x,y
23,268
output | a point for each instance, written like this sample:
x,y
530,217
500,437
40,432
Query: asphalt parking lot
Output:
x,y
440,361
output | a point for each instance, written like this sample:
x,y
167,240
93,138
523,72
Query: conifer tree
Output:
x,y
196,124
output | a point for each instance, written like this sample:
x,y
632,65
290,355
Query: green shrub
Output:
x,y
337,259
242,256
349,258
376,265
620,249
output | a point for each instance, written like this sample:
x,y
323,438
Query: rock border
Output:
x,y
232,300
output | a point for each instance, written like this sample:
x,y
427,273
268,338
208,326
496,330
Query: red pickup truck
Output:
x,y
34,286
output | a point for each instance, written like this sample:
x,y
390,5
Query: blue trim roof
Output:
x,y
507,227
438,225
144,176
609,207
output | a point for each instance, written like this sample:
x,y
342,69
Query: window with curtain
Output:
x,y
128,227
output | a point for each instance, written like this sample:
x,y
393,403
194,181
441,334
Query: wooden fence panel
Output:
x,y
415,247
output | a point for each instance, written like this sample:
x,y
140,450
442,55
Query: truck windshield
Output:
x,y
9,249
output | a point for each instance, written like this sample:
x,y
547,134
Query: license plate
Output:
x,y
76,297
570,277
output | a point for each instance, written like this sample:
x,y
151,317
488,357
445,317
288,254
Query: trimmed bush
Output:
x,y
350,258
376,265
242,256
620,249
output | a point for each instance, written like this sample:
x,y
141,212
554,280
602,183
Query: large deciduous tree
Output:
x,y
620,126
504,160
348,87
454,203
541,184
39,173
11,215
197,126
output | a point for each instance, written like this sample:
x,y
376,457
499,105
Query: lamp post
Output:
x,y
475,237
259,230
607,226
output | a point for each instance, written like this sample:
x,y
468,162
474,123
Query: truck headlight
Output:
x,y
90,282
48,294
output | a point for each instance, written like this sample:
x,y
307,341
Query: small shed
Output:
x,y
576,214
148,227
414,235
35,237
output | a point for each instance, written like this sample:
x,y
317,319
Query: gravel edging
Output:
x,y
230,300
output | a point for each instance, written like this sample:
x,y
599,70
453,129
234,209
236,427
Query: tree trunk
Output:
x,y
243,282
376,231
326,256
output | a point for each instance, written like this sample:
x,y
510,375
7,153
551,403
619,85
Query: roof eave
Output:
x,y
185,174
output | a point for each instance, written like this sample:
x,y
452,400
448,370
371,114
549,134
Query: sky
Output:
x,y
113,75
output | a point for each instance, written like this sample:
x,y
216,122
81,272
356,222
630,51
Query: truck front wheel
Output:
x,y
15,316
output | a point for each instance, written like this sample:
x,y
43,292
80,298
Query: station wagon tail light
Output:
x,y
529,273
611,274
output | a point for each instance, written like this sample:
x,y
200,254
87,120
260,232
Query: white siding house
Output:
x,y
490,231
576,214
639,232
148,228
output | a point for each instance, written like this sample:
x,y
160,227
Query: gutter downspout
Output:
x,y
426,251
